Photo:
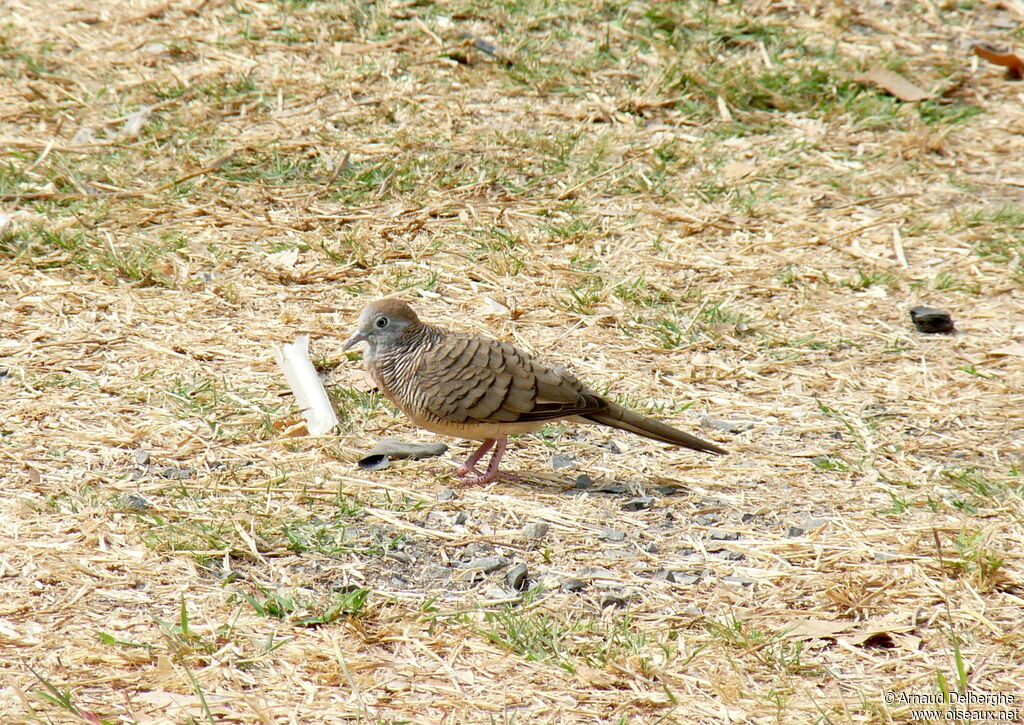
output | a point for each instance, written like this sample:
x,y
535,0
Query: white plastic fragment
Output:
x,y
293,358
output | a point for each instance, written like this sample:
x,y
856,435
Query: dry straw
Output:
x,y
586,201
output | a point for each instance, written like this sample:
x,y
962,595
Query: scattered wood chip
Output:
x,y
1011,61
817,629
894,84
930,320
723,110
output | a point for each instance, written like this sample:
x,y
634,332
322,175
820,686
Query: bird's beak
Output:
x,y
354,340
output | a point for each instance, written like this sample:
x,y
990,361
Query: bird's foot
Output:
x,y
491,474
485,478
475,481
466,469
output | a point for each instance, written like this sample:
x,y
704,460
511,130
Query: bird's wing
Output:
x,y
470,379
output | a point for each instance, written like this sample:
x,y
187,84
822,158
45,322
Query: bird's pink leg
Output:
x,y
470,465
492,469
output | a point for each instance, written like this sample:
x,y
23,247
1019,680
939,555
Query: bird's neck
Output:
x,y
392,363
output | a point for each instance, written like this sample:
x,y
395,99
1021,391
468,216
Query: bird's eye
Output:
x,y
381,322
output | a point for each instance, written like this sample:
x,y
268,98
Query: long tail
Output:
x,y
624,419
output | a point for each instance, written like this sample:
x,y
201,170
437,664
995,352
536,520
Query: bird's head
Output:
x,y
382,323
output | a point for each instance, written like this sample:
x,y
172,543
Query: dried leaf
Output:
x,y
817,628
736,170
893,83
1011,61
593,677
1015,350
884,632
285,259
493,307
870,639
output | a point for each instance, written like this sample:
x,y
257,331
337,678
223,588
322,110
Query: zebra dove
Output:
x,y
469,386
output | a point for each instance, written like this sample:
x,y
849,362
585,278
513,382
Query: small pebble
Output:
x,y
729,426
668,490
932,321
613,535
597,572
613,488
664,575
618,554
723,535
675,577
812,524
517,577
487,564
433,520
743,581
175,473
795,531
142,457
611,599
561,460
730,555
460,518
445,494
573,585
583,482
613,448
435,571
399,556
499,594
534,531
638,504
135,502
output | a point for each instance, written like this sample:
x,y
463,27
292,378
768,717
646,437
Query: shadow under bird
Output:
x,y
470,386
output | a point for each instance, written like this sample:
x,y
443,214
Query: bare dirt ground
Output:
x,y
694,205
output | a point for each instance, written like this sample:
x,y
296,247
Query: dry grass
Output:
x,y
690,203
